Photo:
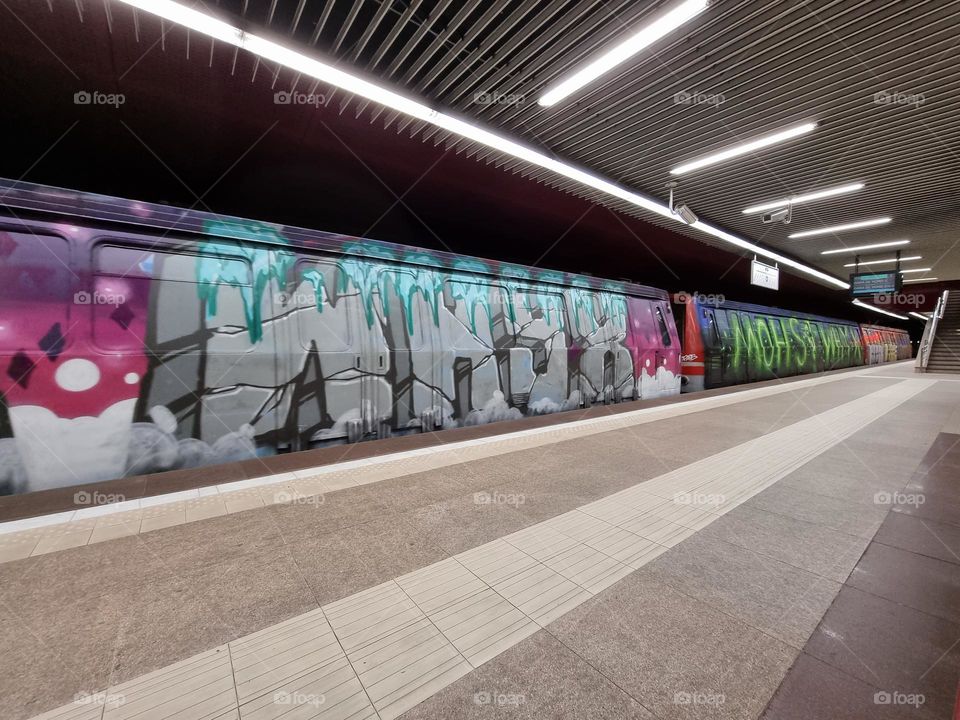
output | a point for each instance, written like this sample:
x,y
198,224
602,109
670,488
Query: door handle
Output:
x,y
358,362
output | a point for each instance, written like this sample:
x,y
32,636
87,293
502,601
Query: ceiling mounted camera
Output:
x,y
783,215
683,210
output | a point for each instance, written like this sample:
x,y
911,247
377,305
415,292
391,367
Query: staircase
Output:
x,y
945,351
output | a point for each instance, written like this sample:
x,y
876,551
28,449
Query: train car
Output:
x,y
727,343
885,344
137,338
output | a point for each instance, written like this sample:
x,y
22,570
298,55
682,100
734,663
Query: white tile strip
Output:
x,y
49,533
381,651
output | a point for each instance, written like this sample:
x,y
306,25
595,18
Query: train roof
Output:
x,y
50,200
781,312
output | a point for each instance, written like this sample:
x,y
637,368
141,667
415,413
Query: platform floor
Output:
x,y
787,551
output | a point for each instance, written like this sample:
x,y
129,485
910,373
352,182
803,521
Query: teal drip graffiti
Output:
x,y
315,278
220,264
364,276
471,290
427,282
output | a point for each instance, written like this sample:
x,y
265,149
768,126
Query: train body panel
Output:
x,y
730,343
137,350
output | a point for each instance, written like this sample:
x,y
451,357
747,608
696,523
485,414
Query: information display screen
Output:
x,y
874,283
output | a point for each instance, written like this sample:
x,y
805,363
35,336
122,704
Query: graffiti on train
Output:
x,y
245,344
769,344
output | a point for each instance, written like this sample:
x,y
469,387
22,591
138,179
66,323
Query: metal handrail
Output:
x,y
930,332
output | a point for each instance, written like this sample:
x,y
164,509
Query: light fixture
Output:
x,y
913,270
841,228
809,197
871,246
918,316
647,35
919,280
885,260
744,148
207,25
879,310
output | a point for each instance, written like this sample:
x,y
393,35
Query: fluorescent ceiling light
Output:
x,y
603,64
920,280
871,246
841,228
886,260
175,12
918,316
876,309
744,148
809,197
913,270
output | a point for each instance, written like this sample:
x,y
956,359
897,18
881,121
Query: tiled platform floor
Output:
x,y
699,613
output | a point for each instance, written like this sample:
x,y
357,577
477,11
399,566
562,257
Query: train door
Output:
x,y
819,347
643,342
668,353
739,358
714,356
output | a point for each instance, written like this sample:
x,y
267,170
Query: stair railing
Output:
x,y
930,332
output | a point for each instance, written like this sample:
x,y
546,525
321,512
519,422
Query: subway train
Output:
x,y
727,343
138,338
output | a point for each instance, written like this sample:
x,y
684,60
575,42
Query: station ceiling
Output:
x,y
878,76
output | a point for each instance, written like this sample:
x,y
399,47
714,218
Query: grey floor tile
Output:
x,y
467,521
779,599
535,680
922,536
814,548
891,646
675,655
840,515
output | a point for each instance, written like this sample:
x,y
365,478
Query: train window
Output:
x,y
153,264
483,319
414,316
664,331
129,281
539,314
711,332
36,292
322,324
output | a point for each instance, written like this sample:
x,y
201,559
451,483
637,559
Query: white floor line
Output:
x,y
406,639
94,524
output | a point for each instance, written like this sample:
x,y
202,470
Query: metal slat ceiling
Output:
x,y
766,64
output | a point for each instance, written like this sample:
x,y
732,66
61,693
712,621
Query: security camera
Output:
x,y
784,215
686,214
